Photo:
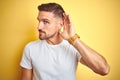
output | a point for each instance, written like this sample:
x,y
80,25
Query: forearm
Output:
x,y
26,74
91,58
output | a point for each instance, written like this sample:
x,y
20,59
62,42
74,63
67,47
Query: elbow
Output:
x,y
104,71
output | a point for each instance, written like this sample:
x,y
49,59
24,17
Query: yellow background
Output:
x,y
96,21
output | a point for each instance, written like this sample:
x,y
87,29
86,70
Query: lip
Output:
x,y
40,32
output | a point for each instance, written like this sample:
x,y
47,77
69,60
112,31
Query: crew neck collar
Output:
x,y
55,44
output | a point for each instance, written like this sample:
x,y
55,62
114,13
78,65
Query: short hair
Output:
x,y
52,7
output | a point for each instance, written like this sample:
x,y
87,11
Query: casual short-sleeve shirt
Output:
x,y
51,62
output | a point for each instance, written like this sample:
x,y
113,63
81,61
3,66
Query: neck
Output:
x,y
55,39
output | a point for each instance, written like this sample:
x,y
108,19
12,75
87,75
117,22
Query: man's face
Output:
x,y
49,25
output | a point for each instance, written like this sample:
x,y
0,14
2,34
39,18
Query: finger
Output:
x,y
66,20
66,17
69,19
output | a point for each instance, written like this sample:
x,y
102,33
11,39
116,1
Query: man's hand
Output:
x,y
68,28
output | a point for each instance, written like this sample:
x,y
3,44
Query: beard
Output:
x,y
44,36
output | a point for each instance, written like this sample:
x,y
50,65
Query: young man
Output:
x,y
56,55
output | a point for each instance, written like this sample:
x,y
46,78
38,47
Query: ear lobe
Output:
x,y
61,26
62,29
61,23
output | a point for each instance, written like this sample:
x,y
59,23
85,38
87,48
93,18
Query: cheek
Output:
x,y
53,28
49,30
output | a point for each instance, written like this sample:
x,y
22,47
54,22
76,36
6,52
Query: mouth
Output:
x,y
41,33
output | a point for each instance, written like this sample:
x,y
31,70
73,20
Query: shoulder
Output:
x,y
66,43
34,44
70,47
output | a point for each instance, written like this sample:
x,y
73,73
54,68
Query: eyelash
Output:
x,y
45,22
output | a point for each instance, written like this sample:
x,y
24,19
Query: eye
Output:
x,y
45,22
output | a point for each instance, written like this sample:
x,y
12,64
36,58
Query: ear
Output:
x,y
60,24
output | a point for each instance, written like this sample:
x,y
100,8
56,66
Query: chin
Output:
x,y
41,38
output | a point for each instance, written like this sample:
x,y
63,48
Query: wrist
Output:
x,y
72,39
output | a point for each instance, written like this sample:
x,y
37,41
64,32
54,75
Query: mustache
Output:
x,y
41,31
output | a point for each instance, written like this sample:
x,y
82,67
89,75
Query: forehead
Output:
x,y
45,15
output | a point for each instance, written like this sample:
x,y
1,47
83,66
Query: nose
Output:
x,y
40,26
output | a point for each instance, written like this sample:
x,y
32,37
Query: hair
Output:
x,y
52,7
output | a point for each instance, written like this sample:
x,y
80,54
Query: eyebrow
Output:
x,y
43,19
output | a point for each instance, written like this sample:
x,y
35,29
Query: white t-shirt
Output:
x,y
51,62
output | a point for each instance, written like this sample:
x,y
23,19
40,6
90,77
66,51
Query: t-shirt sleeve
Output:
x,y
78,56
26,60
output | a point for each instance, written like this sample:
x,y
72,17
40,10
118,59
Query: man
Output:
x,y
56,55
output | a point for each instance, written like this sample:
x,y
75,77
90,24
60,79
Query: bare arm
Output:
x,y
90,57
27,74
